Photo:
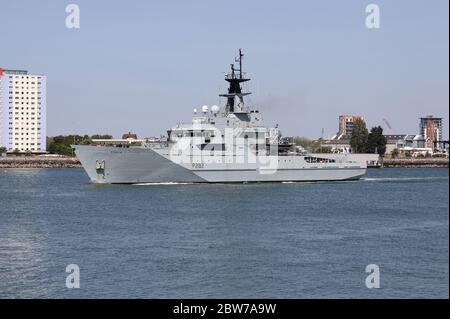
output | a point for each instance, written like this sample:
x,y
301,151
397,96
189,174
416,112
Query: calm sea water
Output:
x,y
307,240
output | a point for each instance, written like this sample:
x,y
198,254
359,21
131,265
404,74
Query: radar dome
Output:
x,y
215,109
205,108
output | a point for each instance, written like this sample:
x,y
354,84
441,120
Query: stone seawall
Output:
x,y
72,162
39,162
415,162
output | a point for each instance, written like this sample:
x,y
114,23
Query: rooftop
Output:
x,y
391,137
430,117
16,72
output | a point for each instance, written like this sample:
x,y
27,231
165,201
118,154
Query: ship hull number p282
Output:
x,y
198,165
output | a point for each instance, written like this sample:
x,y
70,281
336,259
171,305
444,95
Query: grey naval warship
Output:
x,y
220,145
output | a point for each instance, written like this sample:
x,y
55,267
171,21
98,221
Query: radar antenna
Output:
x,y
235,90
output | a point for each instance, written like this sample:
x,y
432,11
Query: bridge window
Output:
x,y
310,159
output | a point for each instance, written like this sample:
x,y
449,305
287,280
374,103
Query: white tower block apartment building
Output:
x,y
23,106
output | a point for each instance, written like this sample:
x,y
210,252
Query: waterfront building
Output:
x,y
406,143
339,144
23,107
346,123
393,141
431,130
429,140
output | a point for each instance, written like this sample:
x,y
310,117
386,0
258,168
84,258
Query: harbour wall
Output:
x,y
38,162
415,162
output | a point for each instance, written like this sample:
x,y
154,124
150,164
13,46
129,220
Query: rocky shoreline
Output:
x,y
415,162
39,162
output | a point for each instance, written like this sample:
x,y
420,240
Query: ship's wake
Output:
x,y
162,183
404,179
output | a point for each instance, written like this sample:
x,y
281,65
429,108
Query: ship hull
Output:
x,y
145,165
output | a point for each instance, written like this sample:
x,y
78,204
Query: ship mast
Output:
x,y
235,93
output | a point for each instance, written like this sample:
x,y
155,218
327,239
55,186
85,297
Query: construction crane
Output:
x,y
386,122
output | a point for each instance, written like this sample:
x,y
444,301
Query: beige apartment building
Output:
x,y
346,124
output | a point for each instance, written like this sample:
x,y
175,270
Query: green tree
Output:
x,y
2,150
61,144
101,137
360,136
60,149
376,141
395,153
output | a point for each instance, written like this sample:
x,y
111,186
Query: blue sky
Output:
x,y
143,66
